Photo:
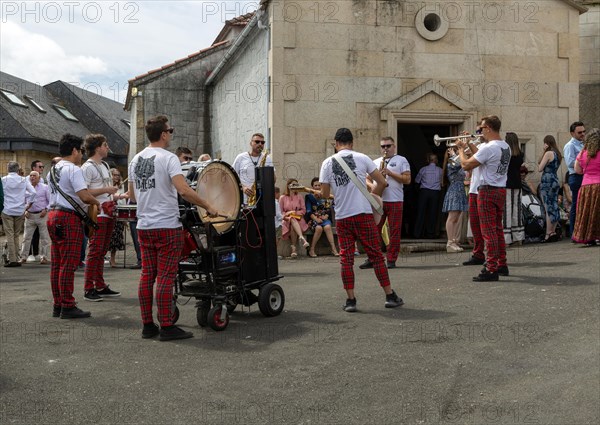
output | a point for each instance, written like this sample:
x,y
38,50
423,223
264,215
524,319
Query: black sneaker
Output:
x,y
366,265
92,296
74,313
350,306
392,300
391,264
106,292
169,333
56,311
150,330
486,276
502,270
474,261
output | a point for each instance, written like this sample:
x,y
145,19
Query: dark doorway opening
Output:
x,y
415,143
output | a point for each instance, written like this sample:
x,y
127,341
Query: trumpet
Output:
x,y
437,140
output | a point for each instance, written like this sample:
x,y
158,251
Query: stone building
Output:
x,y
589,86
408,69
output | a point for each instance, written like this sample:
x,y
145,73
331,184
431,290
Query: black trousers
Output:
x,y
427,212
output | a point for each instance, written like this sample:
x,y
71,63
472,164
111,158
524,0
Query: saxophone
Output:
x,y
252,198
382,167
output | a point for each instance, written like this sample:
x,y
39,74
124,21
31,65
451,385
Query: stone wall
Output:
x,y
589,33
348,60
239,99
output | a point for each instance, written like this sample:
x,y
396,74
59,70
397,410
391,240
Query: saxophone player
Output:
x,y
246,163
396,170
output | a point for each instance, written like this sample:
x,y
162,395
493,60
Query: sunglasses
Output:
x,y
170,130
261,142
386,146
188,158
581,132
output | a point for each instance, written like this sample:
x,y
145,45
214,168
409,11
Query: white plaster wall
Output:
x,y
239,101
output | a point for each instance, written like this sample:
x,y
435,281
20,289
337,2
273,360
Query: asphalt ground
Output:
x,y
519,351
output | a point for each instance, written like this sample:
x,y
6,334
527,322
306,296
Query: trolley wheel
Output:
x,y
214,318
271,300
202,312
175,314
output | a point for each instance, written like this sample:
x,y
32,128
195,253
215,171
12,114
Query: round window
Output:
x,y
430,25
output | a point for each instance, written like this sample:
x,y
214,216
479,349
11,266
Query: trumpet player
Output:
x,y
246,163
396,170
491,159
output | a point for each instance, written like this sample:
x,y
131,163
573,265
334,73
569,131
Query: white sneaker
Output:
x,y
31,259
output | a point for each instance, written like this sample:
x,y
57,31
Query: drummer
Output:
x,y
246,163
155,179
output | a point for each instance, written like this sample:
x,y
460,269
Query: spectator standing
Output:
x,y
430,180
19,194
117,239
548,166
36,219
571,150
455,201
587,223
514,228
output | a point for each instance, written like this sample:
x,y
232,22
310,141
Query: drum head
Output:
x,y
219,184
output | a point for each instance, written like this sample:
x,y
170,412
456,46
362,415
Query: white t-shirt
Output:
x,y
97,176
245,164
349,201
494,157
151,172
475,180
395,191
70,179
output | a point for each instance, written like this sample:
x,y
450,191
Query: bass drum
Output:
x,y
218,184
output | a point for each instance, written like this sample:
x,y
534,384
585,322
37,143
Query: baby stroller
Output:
x,y
534,217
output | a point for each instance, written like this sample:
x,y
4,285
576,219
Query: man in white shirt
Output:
x,y
64,225
36,217
97,176
396,170
37,166
155,179
18,195
492,158
246,163
354,216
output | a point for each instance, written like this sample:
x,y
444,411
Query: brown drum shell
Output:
x,y
219,185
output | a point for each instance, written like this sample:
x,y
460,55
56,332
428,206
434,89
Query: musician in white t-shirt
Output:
x,y
65,227
155,179
396,170
246,163
354,216
97,176
492,159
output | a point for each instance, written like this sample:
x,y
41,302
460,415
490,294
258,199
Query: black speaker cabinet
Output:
x,y
258,247
265,188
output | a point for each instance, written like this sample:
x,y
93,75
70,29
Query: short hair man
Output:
x,y
184,154
36,217
18,195
493,158
155,179
97,176
354,217
430,180
396,170
64,225
570,151
246,163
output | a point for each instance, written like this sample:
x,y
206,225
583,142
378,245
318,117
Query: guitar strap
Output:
x,y
361,186
78,210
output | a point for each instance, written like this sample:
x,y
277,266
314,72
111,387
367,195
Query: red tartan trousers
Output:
x,y
475,227
97,248
161,250
360,227
393,212
66,233
490,205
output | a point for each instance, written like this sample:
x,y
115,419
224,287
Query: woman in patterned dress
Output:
x,y
455,201
117,239
549,186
